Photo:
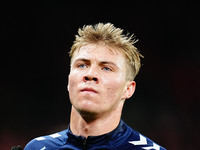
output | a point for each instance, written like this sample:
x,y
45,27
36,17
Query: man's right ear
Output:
x,y
68,84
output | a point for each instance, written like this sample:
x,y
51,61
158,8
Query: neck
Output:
x,y
94,126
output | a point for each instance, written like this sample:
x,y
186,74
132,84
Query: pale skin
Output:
x,y
97,89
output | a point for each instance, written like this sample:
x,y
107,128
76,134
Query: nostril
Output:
x,y
95,79
86,78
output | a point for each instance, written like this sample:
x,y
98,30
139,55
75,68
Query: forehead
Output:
x,y
99,52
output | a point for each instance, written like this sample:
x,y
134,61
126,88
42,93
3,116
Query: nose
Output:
x,y
92,74
91,78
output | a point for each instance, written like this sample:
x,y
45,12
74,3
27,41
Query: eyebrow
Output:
x,y
82,59
101,62
108,62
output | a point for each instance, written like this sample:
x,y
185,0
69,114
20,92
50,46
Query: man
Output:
x,y
104,63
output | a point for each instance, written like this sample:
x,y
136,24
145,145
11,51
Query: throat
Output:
x,y
86,129
93,128
84,124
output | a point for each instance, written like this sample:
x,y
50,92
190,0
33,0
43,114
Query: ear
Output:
x,y
129,89
68,83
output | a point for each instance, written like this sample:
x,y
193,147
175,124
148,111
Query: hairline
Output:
x,y
111,48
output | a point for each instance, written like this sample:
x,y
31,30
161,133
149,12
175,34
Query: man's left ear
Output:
x,y
130,89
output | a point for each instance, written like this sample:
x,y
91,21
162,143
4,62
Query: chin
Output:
x,y
88,110
88,106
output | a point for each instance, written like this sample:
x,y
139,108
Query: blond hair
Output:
x,y
113,37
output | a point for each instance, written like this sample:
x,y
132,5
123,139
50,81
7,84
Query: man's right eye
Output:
x,y
82,66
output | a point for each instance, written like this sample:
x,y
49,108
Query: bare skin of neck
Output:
x,y
87,126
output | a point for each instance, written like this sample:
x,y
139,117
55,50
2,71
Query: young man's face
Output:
x,y
97,80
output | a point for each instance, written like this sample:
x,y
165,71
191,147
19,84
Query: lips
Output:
x,y
89,90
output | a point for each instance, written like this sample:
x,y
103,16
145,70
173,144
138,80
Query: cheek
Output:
x,y
114,91
71,84
111,93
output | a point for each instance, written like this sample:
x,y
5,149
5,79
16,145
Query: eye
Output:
x,y
107,69
82,66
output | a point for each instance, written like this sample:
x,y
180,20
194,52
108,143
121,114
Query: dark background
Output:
x,y
34,65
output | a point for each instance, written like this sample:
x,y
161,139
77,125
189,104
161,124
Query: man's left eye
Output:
x,y
107,69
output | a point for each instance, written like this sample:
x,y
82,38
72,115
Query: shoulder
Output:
x,y
137,141
52,141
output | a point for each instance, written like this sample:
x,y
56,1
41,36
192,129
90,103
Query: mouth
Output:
x,y
89,90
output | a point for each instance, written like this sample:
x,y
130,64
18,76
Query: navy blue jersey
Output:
x,y
122,138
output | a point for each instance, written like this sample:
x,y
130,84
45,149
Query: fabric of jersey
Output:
x,y
122,138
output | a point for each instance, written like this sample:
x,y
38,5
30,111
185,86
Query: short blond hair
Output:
x,y
113,37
